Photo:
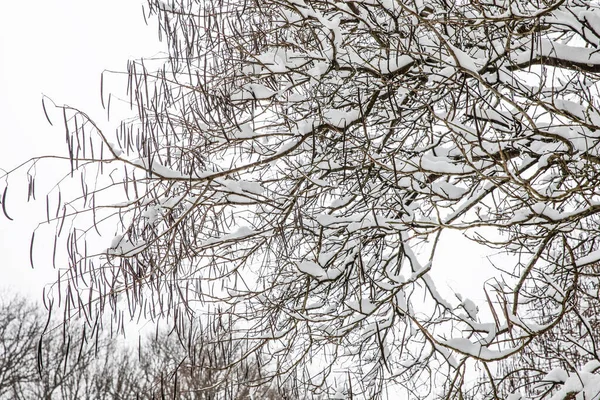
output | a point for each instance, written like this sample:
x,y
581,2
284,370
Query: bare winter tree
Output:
x,y
37,362
294,164
164,367
40,359
19,333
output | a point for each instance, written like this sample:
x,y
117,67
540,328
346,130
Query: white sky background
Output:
x,y
58,48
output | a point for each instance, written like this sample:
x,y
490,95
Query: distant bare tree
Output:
x,y
166,368
19,333
64,365
40,361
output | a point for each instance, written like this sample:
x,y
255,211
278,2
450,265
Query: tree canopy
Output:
x,y
294,163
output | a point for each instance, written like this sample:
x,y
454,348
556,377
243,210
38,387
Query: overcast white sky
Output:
x,y
58,48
